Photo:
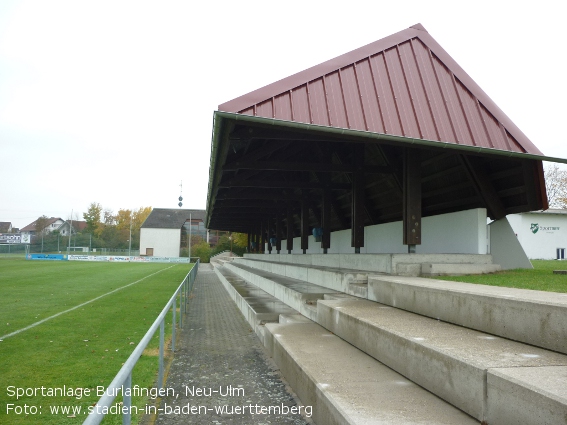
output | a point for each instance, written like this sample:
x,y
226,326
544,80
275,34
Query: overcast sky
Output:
x,y
112,101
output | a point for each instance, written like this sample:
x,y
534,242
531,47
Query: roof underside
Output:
x,y
294,138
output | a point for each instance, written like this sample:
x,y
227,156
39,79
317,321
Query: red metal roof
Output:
x,y
405,85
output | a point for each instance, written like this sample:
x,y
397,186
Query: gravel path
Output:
x,y
220,363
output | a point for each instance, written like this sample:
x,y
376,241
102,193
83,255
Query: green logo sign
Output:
x,y
536,228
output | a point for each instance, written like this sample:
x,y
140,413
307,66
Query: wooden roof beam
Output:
x,y
483,186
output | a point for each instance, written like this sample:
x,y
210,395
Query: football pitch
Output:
x,y
67,327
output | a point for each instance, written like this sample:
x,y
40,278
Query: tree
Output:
x,y
109,217
41,224
140,216
92,217
126,218
556,186
201,250
224,244
240,239
123,219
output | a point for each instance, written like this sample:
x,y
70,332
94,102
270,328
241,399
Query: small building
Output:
x,y
56,224
161,234
78,227
52,224
542,234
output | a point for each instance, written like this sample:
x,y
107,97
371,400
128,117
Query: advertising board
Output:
x,y
14,238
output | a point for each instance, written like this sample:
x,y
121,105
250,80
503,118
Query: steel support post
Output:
x,y
412,199
278,233
161,347
304,225
127,401
270,228
326,220
263,236
289,225
358,186
173,323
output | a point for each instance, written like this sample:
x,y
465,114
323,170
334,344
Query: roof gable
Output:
x,y
78,225
169,218
49,221
404,85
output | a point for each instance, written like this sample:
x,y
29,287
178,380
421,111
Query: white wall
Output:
x,y
551,233
464,232
165,242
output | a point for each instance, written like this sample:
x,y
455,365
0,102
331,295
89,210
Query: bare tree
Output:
x,y
41,225
556,186
109,217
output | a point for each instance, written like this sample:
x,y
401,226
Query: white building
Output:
x,y
52,224
542,234
160,235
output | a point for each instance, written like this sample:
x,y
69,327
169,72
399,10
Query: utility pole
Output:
x,y
189,242
70,232
130,240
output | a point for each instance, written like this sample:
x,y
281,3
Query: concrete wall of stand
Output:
x,y
464,232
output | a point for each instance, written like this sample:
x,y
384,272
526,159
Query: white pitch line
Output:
x,y
80,305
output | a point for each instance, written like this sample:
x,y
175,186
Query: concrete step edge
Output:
x,y
425,350
531,317
288,295
347,387
255,319
329,277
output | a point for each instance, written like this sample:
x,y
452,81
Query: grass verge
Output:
x,y
540,278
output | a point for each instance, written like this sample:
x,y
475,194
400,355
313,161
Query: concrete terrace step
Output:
x,y
450,361
346,386
221,260
519,395
333,278
533,317
421,349
257,306
377,263
299,295
493,379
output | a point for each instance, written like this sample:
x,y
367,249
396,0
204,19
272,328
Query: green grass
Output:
x,y
83,348
539,278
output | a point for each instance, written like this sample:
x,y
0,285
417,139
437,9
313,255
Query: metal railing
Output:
x,y
123,379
